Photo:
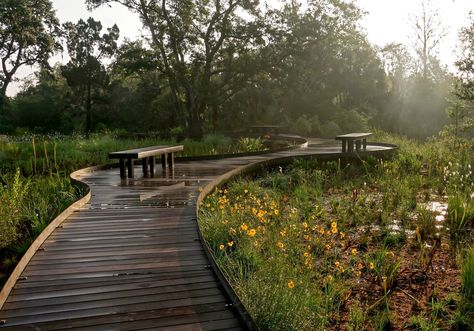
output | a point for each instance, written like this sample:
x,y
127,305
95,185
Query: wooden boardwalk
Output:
x,y
132,258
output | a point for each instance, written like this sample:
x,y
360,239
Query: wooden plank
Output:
x,y
177,248
155,315
26,286
185,300
28,298
353,135
120,293
117,267
139,153
119,260
208,326
130,271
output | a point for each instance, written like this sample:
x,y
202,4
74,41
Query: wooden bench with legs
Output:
x,y
348,140
147,155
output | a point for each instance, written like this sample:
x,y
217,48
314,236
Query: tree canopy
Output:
x,y
216,65
29,32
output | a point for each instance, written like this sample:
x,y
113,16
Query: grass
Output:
x,y
27,205
314,246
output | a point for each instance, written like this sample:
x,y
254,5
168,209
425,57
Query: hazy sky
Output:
x,y
386,21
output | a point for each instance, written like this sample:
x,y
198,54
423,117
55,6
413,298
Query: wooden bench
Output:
x,y
349,139
147,155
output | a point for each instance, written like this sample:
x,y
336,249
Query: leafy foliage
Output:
x,y
29,32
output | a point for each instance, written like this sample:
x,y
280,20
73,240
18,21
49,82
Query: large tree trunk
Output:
x,y
88,109
193,109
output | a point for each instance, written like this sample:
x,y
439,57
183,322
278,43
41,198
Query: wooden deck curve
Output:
x,y
132,257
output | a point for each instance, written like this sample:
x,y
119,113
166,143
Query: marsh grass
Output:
x,y
27,205
312,246
468,277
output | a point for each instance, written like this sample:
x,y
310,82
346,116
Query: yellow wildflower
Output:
x,y
371,265
291,284
230,243
337,264
334,225
276,212
221,247
306,254
280,245
334,230
354,251
246,191
251,232
244,227
305,225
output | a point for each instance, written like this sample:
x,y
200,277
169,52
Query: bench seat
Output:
x,y
147,155
348,140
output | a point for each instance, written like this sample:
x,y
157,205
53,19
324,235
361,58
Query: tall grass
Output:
x,y
27,205
468,276
297,241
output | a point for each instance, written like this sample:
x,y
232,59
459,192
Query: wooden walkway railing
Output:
x,y
132,257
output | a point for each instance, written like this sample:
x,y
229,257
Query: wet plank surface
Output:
x,y
131,258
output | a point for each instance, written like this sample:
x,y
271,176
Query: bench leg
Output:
x,y
350,146
145,166
171,160
364,143
344,146
163,161
122,168
358,144
130,166
151,161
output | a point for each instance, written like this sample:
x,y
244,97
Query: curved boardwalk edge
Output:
x,y
252,168
44,235
36,244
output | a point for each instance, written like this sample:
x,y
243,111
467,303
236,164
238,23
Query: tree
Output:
x,y
429,32
462,107
44,106
29,32
204,48
138,101
85,73
321,64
